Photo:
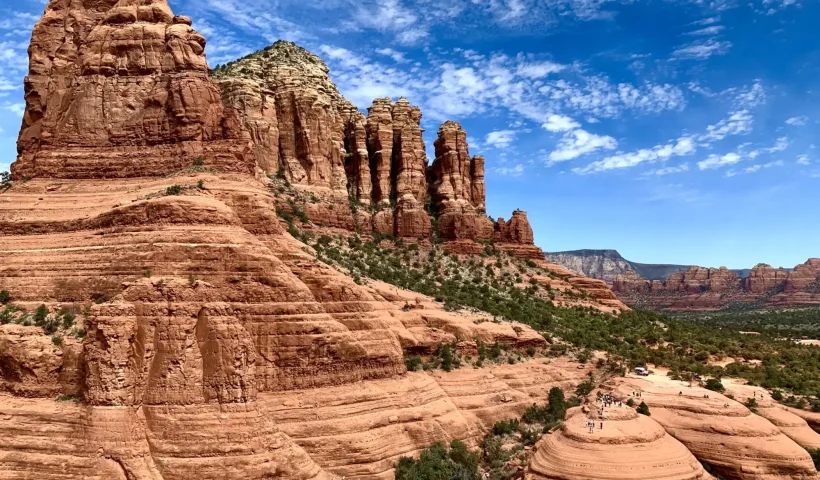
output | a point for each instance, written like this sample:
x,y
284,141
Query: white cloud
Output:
x,y
781,144
515,171
797,121
682,146
702,49
707,21
397,56
579,142
500,138
560,123
738,123
749,97
598,97
684,167
707,31
717,161
755,168
538,69
390,16
15,108
803,160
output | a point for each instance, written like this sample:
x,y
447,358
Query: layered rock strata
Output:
x,y
628,446
720,431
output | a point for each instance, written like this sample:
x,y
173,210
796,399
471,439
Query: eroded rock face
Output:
x,y
628,446
764,278
803,276
457,187
516,230
121,89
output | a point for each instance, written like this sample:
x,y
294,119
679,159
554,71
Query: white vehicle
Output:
x,y
641,371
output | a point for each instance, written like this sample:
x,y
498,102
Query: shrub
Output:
x,y
630,403
584,389
200,184
40,314
643,408
815,456
5,296
173,190
438,463
57,340
413,363
198,162
751,404
715,385
777,395
506,427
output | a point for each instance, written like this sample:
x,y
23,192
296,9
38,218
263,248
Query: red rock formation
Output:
x,y
357,161
119,89
380,147
629,281
803,276
516,230
764,278
456,187
699,280
701,288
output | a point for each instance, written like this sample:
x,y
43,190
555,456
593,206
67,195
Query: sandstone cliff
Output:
x,y
121,89
199,324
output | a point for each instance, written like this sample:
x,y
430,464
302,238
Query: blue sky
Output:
x,y
676,131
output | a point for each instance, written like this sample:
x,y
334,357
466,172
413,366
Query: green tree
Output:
x,y
715,385
438,463
584,389
643,409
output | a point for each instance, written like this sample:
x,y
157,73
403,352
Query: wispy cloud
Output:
x,y
797,121
702,49
684,167
515,171
738,123
707,31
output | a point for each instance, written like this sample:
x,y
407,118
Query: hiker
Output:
x,y
680,393
602,425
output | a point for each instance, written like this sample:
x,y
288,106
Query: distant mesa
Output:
x,y
683,287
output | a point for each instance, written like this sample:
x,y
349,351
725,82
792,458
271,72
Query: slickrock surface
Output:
x,y
701,288
720,431
783,418
360,430
628,446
